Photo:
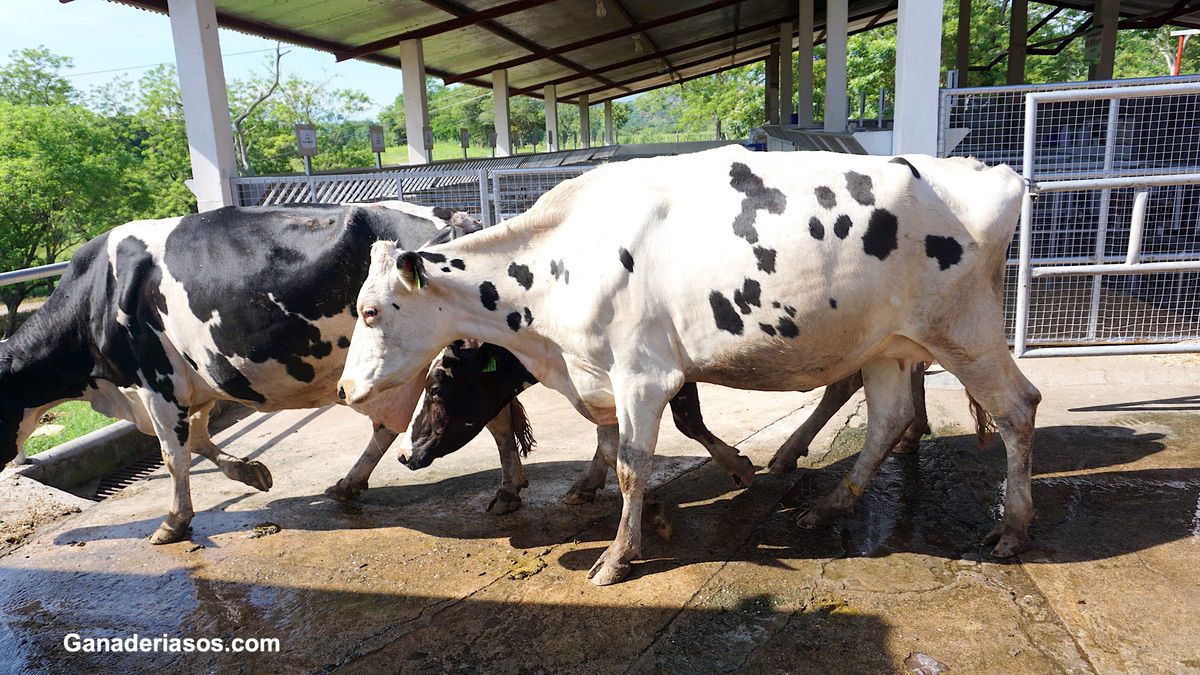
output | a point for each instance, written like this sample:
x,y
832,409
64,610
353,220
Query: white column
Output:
x,y
205,103
836,33
804,59
1105,17
416,102
500,113
918,69
585,122
608,123
785,72
550,93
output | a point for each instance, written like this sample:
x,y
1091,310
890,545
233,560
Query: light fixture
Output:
x,y
637,43
601,10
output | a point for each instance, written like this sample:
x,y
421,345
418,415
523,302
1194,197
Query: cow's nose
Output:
x,y
341,392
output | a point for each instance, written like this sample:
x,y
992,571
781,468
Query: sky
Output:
x,y
107,40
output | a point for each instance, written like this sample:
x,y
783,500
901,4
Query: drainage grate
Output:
x,y
121,478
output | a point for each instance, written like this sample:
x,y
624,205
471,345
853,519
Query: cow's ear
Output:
x,y
412,269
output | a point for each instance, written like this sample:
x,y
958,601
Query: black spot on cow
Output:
x,y
825,197
860,186
758,197
791,311
767,328
522,274
514,320
787,327
816,228
446,269
435,258
626,259
343,342
747,295
231,380
458,264
905,162
558,269
488,295
182,428
395,307
725,315
946,250
776,304
528,317
191,362
353,310
833,303
841,227
880,239
766,259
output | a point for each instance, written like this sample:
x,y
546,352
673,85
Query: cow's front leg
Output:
x,y
512,473
254,474
355,482
832,400
584,488
639,412
889,411
171,426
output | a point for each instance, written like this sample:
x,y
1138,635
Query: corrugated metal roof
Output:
x,y
638,45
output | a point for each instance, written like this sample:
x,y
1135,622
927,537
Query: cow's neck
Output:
x,y
47,359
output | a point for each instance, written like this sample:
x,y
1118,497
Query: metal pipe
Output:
x,y
1118,268
1117,183
1115,350
32,274
1116,92
1024,279
1136,227
1110,152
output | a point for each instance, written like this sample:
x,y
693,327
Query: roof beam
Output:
x,y
538,51
439,28
652,56
636,24
595,40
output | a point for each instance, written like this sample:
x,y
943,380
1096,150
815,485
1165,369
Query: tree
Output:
x,y
246,100
32,77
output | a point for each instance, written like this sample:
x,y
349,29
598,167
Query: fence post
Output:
x,y
1024,277
485,204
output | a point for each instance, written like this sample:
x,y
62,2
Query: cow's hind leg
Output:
x,y
911,440
584,488
512,481
171,424
832,400
348,488
889,411
685,410
254,474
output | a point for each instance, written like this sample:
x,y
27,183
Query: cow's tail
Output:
x,y
521,428
985,426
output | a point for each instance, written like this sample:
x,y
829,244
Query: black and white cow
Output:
x,y
468,388
772,271
157,320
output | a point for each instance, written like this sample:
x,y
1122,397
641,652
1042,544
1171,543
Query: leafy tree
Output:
x,y
32,77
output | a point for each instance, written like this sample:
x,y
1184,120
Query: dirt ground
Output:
x,y
415,577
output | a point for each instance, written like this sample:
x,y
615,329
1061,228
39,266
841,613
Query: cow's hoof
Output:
x,y
817,518
907,446
579,496
1008,541
780,465
344,491
743,475
606,572
504,502
165,534
254,474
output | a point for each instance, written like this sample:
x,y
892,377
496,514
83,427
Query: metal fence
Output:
x,y
1112,172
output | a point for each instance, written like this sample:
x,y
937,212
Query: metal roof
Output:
x,y
638,45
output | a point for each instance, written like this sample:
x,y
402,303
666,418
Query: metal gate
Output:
x,y
1109,242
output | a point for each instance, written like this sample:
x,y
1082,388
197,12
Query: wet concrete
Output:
x,y
415,577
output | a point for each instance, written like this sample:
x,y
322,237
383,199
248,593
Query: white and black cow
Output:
x,y
772,271
157,320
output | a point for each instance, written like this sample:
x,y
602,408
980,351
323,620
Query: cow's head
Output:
x,y
401,325
464,390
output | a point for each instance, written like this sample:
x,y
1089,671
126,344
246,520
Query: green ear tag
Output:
x,y
417,278
491,365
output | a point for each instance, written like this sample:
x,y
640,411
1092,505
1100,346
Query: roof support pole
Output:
x,y
918,69
804,58
416,102
608,123
585,122
785,72
205,102
1105,17
962,56
550,94
500,113
1018,30
836,33
771,107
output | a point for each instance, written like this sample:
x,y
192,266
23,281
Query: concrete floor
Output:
x,y
416,577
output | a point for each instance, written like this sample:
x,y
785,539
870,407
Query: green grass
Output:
x,y
76,417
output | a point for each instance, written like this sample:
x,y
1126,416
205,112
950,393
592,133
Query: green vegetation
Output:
x,y
76,419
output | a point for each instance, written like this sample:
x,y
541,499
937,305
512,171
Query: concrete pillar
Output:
x,y
836,34
1018,30
500,113
416,102
608,124
585,122
804,60
771,90
205,103
551,96
1105,17
918,69
785,72
962,59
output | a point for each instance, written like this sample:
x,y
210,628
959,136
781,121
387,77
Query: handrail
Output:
x,y
32,274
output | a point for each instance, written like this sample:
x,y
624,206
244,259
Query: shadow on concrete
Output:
x,y
1179,403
